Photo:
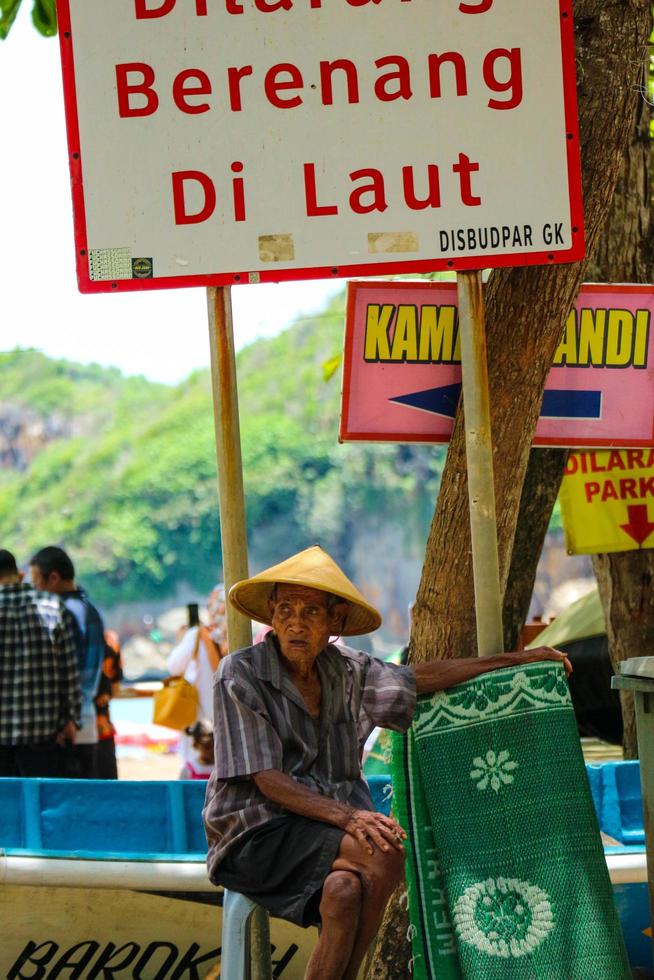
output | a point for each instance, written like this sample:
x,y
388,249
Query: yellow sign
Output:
x,y
607,501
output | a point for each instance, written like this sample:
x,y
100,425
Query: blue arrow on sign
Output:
x,y
438,401
570,404
557,403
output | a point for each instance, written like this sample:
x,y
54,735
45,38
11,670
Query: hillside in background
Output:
x,y
122,473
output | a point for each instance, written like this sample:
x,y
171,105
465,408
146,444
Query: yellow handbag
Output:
x,y
176,704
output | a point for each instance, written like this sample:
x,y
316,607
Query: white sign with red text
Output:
x,y
222,141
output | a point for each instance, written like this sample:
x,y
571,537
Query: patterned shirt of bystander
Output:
x,y
39,677
261,722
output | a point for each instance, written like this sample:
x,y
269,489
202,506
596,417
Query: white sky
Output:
x,y
159,333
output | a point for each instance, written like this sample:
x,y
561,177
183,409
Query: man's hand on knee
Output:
x,y
370,828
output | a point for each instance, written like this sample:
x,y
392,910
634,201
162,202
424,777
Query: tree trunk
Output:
x,y
625,251
539,492
526,311
382,959
626,254
625,586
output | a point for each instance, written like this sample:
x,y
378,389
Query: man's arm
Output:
x,y
67,734
181,655
438,675
364,825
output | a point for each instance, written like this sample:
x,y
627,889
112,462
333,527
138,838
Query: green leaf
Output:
x,y
8,11
331,366
137,503
44,17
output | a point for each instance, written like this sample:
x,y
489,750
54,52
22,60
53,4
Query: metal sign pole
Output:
x,y
233,529
479,455
231,499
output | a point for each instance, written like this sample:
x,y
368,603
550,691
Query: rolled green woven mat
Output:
x,y
433,948
515,830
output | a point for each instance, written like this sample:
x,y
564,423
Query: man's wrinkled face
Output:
x,y
301,621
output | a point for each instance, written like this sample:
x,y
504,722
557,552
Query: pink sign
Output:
x,y
402,367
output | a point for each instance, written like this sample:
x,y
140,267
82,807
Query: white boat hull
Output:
x,y
89,932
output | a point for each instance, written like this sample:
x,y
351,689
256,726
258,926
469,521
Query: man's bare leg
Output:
x,y
340,911
380,873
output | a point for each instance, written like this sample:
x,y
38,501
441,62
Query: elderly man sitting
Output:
x,y
288,814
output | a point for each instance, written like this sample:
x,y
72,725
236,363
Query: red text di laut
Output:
x,y
283,84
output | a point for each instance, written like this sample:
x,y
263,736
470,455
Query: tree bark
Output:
x,y
626,254
625,251
625,587
539,492
383,958
526,311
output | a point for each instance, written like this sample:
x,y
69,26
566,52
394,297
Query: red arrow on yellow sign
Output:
x,y
639,526
605,499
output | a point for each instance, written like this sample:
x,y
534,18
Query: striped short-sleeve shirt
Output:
x,y
261,722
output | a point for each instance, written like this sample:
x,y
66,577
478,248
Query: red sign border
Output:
x,y
344,435
407,266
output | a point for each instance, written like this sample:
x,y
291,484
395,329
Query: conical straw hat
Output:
x,y
315,569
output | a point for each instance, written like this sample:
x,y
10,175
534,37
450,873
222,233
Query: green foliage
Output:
x,y
44,16
331,366
8,11
127,478
556,520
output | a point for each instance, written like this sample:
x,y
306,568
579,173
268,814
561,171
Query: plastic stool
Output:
x,y
237,960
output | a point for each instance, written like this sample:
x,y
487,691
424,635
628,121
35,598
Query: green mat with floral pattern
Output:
x,y
506,870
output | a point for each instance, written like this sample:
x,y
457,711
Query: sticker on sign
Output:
x,y
253,140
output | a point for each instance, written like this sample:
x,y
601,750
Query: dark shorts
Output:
x,y
282,866
42,760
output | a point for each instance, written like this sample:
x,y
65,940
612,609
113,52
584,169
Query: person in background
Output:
x,y
196,657
218,618
110,678
39,679
201,735
52,570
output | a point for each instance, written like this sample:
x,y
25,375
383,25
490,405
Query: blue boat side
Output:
x,y
103,819
161,820
156,821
